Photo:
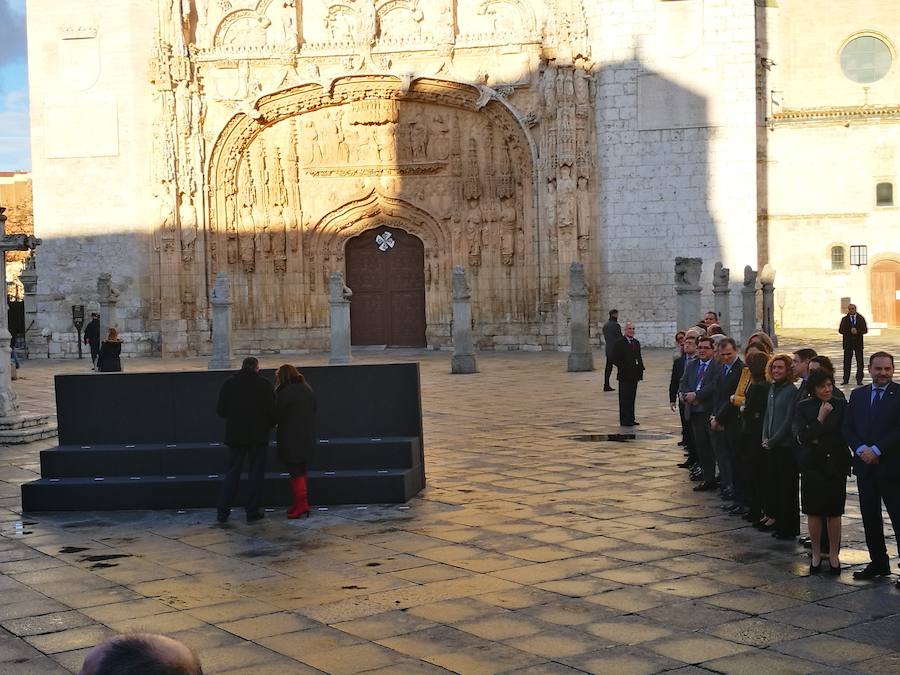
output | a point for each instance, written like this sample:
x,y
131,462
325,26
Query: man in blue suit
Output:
x,y
697,389
872,430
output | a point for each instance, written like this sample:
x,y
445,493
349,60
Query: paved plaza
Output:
x,y
529,551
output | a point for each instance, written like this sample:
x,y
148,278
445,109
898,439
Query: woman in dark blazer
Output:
x,y
753,410
109,360
296,434
824,460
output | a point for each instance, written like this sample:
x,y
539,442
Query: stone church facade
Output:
x,y
282,140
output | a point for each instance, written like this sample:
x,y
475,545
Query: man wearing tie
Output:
x,y
626,356
725,422
853,327
872,431
698,386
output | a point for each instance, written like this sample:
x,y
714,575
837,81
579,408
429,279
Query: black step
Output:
x,y
383,486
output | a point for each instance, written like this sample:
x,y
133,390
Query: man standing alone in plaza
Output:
x,y
626,355
853,327
247,404
872,432
612,333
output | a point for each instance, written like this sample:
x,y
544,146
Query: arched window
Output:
x,y
884,194
838,259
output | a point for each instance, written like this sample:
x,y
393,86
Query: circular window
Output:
x,y
865,59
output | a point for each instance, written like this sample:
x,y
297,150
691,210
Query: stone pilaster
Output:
x,y
220,301
687,290
339,301
463,360
722,296
581,358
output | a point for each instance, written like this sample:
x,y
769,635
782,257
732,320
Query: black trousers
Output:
x,y
687,434
256,468
95,352
627,395
607,372
703,444
787,492
849,353
873,490
297,469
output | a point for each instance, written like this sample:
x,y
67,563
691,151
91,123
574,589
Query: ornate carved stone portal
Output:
x,y
286,129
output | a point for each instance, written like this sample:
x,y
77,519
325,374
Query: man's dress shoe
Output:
x,y
705,486
873,570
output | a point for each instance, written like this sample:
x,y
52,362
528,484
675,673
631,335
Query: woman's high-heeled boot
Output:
x,y
301,505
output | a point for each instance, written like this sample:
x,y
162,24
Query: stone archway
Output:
x,y
386,271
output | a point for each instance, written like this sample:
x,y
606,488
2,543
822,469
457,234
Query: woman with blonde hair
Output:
x,y
777,441
109,360
296,435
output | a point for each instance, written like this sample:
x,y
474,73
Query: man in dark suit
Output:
x,y
872,431
697,387
688,352
724,420
853,327
626,355
612,333
247,404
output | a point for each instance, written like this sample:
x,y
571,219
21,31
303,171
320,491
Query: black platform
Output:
x,y
151,441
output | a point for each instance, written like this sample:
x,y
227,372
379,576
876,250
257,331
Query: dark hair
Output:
x,y
250,363
287,375
881,355
613,312
715,329
756,362
824,362
816,379
727,341
806,354
706,338
138,654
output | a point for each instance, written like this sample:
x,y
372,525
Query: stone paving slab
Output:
x,y
529,551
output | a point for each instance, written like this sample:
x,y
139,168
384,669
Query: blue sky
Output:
x,y
15,152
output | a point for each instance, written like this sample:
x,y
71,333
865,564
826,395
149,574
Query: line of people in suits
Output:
x,y
774,435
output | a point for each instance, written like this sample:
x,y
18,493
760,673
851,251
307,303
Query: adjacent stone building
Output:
x,y
282,140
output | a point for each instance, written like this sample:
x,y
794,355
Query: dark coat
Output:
x,y
109,360
628,360
612,333
677,371
868,425
247,404
726,385
92,333
822,446
779,415
296,418
706,390
756,399
849,340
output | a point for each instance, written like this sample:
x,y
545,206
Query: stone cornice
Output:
x,y
833,115
813,216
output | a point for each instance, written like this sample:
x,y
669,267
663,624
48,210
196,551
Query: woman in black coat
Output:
x,y
296,415
824,460
109,360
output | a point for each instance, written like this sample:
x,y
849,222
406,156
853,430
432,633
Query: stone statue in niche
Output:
x,y
474,233
444,31
582,88
365,30
548,92
167,221
687,272
472,183
418,140
439,138
505,181
507,231
566,197
310,150
187,214
343,152
288,23
338,26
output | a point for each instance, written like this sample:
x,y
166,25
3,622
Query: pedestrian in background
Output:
x,y
296,435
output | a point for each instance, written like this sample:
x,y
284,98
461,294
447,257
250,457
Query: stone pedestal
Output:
x,y
220,301
767,283
722,296
748,304
108,297
339,301
463,360
581,358
687,290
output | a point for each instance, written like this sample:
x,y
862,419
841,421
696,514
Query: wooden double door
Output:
x,y
386,272
886,292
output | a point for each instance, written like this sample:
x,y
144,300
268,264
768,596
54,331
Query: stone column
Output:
x,y
8,404
463,361
339,299
581,358
687,289
108,297
722,296
767,283
748,304
220,301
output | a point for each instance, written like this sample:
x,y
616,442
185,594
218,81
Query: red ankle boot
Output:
x,y
301,505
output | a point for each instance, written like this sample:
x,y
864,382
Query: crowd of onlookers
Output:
x,y
773,435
